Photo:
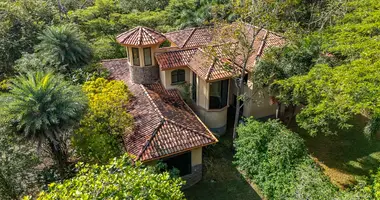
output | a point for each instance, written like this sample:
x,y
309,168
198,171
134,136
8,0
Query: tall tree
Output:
x,y
333,95
42,107
238,43
21,22
66,44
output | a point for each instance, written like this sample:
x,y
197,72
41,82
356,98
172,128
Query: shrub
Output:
x,y
99,135
106,47
276,160
119,179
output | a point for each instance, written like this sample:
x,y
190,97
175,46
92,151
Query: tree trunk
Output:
x,y
60,157
237,109
278,110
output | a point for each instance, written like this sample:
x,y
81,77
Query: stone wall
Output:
x,y
194,177
144,75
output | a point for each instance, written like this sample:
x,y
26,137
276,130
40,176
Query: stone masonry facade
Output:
x,y
194,177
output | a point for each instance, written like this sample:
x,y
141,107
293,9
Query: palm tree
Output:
x,y
66,44
44,108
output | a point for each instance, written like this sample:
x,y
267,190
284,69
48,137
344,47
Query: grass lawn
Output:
x,y
346,155
221,180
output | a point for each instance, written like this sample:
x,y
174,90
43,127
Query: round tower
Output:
x,y
141,43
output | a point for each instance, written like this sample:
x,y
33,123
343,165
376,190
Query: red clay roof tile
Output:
x,y
164,124
174,59
140,36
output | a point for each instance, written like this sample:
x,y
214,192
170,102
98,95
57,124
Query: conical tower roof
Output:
x,y
140,36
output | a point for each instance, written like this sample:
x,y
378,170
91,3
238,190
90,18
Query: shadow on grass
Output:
x,y
221,180
348,152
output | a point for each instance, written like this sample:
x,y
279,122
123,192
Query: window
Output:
x,y
218,94
181,162
136,57
178,76
194,88
147,56
245,80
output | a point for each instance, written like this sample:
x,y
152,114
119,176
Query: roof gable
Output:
x,y
140,36
163,123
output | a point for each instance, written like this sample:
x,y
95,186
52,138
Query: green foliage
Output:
x,y
98,138
295,58
333,95
43,108
120,179
66,45
105,47
276,160
87,73
143,5
37,62
193,13
4,85
17,162
20,23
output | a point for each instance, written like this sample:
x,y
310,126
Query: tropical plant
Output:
x,y
66,45
120,179
21,22
99,137
43,108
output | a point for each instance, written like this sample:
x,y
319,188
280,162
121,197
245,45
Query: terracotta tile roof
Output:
x,y
210,68
140,36
164,124
191,37
174,59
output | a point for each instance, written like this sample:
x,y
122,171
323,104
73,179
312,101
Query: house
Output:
x,y
166,127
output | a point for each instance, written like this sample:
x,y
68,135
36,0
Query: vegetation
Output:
x,y
277,161
120,179
98,138
65,45
329,67
21,22
43,108
333,95
17,162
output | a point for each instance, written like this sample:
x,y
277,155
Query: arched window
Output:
x,y
178,76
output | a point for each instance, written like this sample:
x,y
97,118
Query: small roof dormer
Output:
x,y
140,36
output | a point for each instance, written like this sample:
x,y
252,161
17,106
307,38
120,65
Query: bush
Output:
x,y
120,179
98,138
276,160
106,47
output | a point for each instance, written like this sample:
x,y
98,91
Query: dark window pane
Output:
x,y
178,76
224,93
181,162
194,88
136,57
218,94
147,56
181,75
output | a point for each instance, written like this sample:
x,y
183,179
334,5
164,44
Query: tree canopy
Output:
x,y
98,138
43,108
120,179
333,95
